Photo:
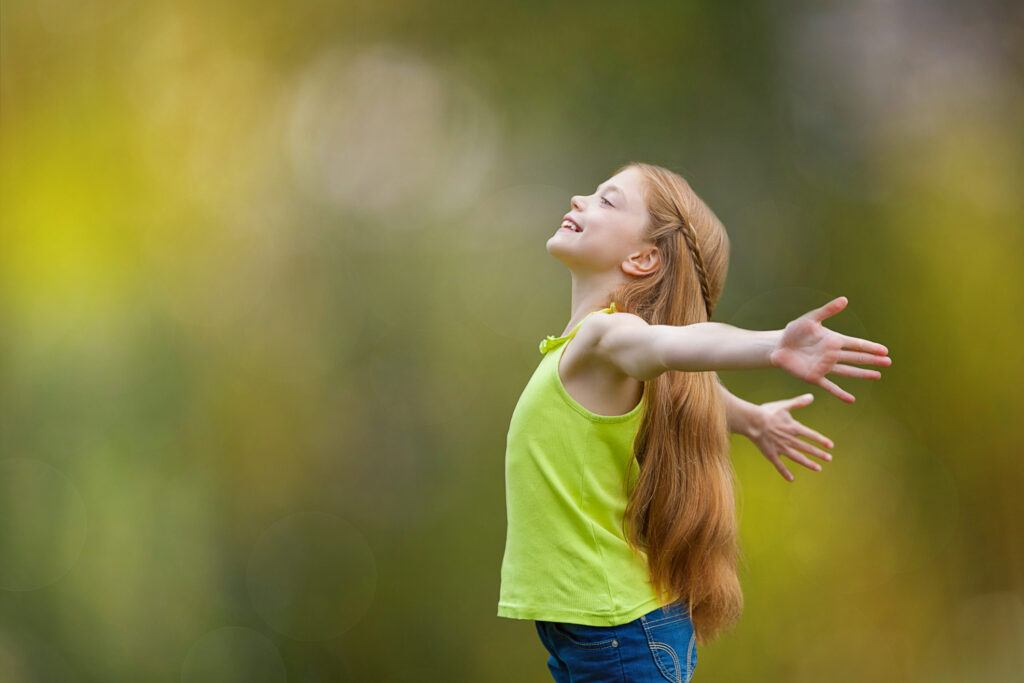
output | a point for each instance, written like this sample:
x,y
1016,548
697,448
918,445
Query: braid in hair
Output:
x,y
691,241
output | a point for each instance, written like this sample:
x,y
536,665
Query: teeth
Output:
x,y
571,226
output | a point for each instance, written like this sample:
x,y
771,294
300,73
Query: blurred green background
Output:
x,y
272,276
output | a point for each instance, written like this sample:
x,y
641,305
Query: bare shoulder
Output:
x,y
609,328
599,333
625,342
594,327
619,319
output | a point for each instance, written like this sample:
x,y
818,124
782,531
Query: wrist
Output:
x,y
753,421
772,339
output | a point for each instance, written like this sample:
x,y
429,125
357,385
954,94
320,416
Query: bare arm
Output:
x,y
805,348
775,432
645,351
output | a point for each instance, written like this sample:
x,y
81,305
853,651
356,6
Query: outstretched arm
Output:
x,y
645,351
805,348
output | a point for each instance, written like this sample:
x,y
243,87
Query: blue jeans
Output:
x,y
658,646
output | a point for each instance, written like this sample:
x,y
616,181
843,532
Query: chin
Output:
x,y
566,257
557,248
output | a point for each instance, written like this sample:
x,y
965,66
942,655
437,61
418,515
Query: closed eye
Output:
x,y
607,202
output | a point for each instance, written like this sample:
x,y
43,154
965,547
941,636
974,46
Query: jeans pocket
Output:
x,y
673,645
589,637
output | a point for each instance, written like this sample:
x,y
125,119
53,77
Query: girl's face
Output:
x,y
612,220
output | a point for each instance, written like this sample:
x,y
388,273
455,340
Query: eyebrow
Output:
x,y
613,188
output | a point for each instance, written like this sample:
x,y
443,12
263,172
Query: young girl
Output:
x,y
622,532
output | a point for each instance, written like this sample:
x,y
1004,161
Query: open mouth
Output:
x,y
571,225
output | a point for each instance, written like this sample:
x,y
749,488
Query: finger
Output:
x,y
775,460
858,358
859,344
835,390
829,309
811,449
820,438
850,371
802,459
799,401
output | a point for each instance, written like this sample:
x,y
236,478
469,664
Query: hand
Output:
x,y
775,432
809,351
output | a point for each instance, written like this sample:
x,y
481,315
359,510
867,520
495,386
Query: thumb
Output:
x,y
801,400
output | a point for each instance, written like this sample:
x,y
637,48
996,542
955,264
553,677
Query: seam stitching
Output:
x,y
689,651
658,645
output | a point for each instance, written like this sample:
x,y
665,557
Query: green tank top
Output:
x,y
566,558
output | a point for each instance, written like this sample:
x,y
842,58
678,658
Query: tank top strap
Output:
x,y
551,341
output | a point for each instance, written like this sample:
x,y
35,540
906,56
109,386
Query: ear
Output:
x,y
643,262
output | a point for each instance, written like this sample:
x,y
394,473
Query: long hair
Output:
x,y
681,511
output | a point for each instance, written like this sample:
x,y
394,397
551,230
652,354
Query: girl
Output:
x,y
622,533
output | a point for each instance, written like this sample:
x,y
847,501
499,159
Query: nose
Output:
x,y
576,202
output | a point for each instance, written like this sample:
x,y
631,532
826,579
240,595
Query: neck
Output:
x,y
590,292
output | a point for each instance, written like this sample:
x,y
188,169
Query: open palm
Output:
x,y
776,433
809,351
